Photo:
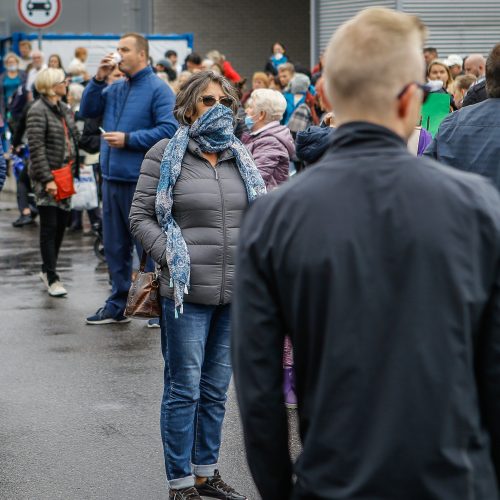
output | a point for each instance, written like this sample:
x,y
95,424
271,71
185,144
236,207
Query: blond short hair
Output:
x,y
47,78
270,101
370,58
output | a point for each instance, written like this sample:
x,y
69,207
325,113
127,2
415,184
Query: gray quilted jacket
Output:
x,y
208,207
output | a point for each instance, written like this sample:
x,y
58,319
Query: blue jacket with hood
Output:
x,y
142,107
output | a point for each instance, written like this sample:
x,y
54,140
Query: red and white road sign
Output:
x,y
39,14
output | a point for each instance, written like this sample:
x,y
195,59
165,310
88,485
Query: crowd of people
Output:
x,y
365,290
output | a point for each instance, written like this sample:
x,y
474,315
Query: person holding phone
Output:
x,y
137,112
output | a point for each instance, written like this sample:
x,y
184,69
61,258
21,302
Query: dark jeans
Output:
x,y
76,217
118,242
53,222
197,372
23,191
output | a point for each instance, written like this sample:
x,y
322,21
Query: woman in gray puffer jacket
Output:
x,y
270,143
52,140
186,214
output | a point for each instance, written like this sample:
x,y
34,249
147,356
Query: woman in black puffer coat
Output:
x,y
53,142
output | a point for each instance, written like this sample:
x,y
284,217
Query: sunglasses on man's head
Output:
x,y
210,100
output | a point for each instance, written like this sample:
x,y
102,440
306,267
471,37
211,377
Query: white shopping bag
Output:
x,y
86,190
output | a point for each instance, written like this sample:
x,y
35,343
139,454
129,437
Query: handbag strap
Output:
x,y
66,136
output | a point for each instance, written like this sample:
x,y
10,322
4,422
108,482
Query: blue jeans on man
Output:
x,y
197,373
118,242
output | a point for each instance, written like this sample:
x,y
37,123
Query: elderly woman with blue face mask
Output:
x,y
186,214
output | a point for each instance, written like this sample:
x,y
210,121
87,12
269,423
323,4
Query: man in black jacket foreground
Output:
x,y
384,270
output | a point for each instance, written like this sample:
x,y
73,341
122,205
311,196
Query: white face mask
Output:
x,y
12,67
278,55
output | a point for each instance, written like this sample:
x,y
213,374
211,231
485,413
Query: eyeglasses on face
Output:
x,y
210,100
426,88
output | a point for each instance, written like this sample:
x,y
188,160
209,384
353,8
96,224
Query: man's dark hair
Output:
x,y
140,42
431,49
170,53
194,58
493,72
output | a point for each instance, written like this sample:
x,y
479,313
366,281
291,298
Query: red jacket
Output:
x,y
230,73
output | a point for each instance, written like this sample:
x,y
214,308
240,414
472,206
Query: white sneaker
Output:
x,y
57,290
43,277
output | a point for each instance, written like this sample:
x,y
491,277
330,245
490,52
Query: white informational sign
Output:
x,y
99,46
39,14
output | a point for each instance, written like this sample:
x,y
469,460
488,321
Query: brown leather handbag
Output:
x,y
143,299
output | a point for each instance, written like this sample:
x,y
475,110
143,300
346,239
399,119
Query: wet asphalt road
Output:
x,y
79,405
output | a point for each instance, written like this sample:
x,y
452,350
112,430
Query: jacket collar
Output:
x,y
148,70
56,108
265,127
194,149
364,135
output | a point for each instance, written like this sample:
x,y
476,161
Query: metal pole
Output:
x,y
39,39
314,32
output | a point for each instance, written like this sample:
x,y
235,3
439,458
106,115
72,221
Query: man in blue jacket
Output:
x,y
468,139
137,112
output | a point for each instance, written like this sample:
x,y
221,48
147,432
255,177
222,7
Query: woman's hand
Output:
x,y
51,188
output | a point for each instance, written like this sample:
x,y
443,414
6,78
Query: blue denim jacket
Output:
x,y
468,140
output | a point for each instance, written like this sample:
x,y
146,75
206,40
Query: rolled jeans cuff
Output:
x,y
204,470
181,482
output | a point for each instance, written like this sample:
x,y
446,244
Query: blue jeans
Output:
x,y
118,242
197,373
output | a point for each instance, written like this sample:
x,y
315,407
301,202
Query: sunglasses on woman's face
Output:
x,y
210,100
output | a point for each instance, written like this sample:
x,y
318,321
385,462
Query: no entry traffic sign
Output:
x,y
39,14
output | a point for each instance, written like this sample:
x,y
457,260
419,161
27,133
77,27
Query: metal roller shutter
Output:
x,y
459,26
332,13
455,26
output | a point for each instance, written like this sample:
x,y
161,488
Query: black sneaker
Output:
x,y
190,493
102,317
23,220
215,487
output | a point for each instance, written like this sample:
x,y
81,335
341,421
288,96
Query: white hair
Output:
x,y
271,102
75,90
76,67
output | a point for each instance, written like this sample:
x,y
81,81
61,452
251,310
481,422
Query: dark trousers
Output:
x,y
118,242
77,215
53,223
23,191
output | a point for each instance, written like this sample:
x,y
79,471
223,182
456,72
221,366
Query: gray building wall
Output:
x,y
243,31
86,16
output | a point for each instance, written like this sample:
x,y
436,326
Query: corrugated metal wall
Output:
x,y
455,26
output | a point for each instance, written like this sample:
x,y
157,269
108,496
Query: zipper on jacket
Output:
x,y
222,288
117,122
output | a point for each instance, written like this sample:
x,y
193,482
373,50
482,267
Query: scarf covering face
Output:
x,y
213,131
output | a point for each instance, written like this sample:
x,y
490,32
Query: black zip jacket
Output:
x,y
384,270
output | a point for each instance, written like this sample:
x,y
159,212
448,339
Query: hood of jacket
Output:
x,y
313,142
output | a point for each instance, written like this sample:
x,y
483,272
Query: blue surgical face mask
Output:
x,y
249,122
12,67
77,79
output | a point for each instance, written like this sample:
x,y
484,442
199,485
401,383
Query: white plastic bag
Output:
x,y
86,190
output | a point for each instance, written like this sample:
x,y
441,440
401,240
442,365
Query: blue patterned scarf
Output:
x,y
213,131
